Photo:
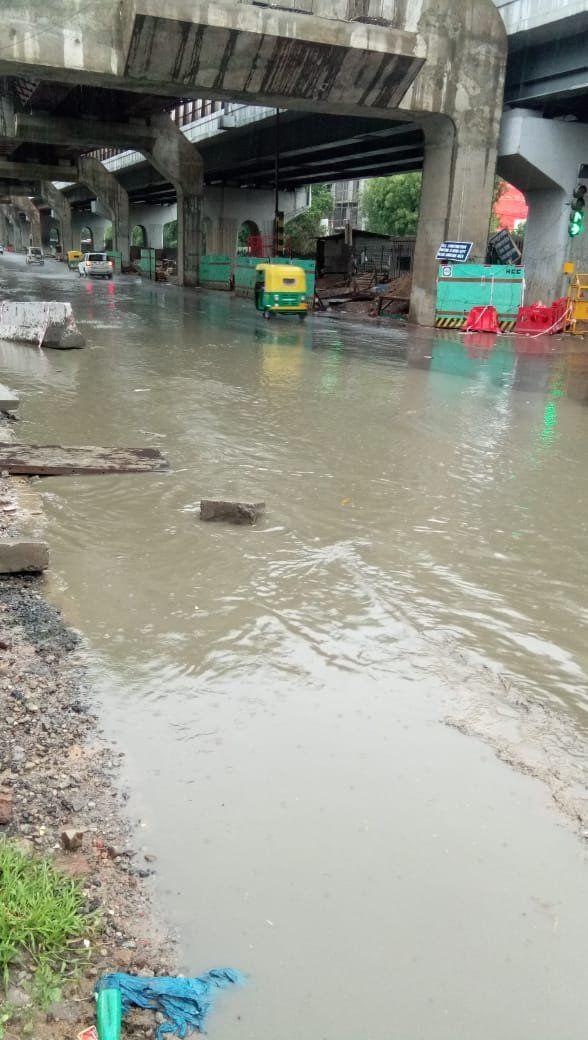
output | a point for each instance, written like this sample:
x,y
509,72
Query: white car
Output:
x,y
35,255
95,265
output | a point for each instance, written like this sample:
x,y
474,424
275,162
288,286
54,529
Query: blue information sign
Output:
x,y
457,252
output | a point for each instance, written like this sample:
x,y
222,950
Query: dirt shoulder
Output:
x,y
57,773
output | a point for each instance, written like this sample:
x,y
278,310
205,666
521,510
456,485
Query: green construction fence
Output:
x,y
116,258
463,286
215,271
146,263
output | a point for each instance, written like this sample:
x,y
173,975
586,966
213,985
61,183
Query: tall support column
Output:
x,y
542,157
176,159
19,236
4,237
456,203
62,210
111,196
24,204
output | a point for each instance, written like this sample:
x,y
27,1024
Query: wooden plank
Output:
x,y
53,460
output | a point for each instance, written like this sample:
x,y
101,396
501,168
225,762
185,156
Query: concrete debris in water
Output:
x,y
20,557
54,460
233,512
44,324
8,399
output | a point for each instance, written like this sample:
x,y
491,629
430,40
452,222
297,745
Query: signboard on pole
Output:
x,y
504,247
456,252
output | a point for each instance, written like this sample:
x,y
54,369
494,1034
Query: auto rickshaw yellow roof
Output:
x,y
284,270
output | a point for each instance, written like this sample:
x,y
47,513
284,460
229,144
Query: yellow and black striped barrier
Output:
x,y
504,324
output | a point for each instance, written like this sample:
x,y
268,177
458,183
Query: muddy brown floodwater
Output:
x,y
282,692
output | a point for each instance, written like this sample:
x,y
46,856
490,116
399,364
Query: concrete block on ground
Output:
x,y
233,512
42,323
18,557
8,399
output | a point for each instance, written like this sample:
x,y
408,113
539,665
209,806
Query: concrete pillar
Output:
x,y
4,239
154,235
33,216
111,196
19,235
179,161
224,236
456,202
62,210
542,157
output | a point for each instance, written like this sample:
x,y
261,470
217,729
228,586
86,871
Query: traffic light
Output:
x,y
577,205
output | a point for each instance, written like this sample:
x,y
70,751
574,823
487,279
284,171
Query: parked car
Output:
x,y
95,265
35,255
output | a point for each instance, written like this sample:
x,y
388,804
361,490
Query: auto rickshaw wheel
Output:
x,y
267,315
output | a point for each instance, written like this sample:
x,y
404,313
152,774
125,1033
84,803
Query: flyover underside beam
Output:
x,y
25,171
547,70
40,128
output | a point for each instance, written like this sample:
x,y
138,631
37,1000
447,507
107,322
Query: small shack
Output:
x,y
368,251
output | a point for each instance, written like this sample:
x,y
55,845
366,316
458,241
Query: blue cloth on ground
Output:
x,y
185,1003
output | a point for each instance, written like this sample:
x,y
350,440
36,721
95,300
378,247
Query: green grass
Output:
x,y
42,924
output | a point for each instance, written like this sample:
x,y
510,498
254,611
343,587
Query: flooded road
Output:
x,y
282,691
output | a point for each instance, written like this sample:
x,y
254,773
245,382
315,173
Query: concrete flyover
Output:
x,y
429,62
544,135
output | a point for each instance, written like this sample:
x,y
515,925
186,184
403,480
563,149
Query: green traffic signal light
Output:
x,y
576,225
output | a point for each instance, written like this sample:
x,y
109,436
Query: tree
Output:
x,y
391,204
304,229
500,187
170,234
108,237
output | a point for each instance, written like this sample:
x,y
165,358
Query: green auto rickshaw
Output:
x,y
280,289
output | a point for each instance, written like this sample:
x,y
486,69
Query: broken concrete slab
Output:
x,y
233,512
8,399
42,323
19,557
54,460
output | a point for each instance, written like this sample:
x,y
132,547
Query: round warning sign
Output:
x,y
446,271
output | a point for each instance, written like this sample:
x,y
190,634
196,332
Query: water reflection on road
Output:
x,y
281,690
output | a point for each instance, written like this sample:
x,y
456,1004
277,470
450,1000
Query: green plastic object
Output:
x,y
109,1014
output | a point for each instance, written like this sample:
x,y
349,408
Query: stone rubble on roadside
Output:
x,y
59,797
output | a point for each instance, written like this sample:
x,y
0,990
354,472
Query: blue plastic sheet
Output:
x,y
184,1003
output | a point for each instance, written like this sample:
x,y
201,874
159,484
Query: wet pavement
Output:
x,y
282,692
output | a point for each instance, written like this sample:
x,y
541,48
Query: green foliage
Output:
x,y
321,202
108,237
304,229
499,189
137,236
391,204
170,234
42,925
